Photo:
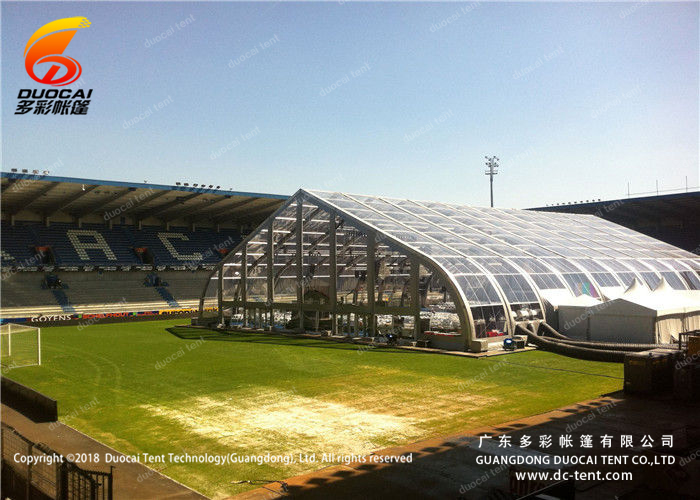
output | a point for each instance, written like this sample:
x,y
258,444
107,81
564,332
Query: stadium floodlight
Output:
x,y
491,170
20,345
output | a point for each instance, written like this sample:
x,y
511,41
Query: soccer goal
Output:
x,y
20,345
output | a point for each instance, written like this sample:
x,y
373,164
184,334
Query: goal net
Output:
x,y
20,345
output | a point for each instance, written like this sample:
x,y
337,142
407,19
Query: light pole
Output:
x,y
491,170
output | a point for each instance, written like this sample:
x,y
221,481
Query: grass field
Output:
x,y
139,388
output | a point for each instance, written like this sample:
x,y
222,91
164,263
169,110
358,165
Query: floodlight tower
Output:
x,y
491,170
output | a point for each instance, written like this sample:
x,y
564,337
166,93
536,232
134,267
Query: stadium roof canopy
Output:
x,y
675,205
35,195
671,217
497,266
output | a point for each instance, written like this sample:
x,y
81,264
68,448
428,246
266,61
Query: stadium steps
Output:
x,y
167,296
113,289
24,312
185,286
24,290
63,301
94,292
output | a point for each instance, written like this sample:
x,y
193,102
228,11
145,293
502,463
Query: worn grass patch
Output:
x,y
274,419
256,393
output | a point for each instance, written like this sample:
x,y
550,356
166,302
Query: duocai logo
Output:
x,y
45,49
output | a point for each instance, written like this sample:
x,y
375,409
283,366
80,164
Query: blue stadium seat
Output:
x,y
179,246
18,246
98,245
88,245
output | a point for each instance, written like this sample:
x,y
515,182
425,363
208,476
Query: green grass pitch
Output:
x,y
139,388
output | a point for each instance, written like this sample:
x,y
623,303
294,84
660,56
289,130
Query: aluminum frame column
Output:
x,y
371,279
333,273
300,263
220,293
415,296
270,275
244,283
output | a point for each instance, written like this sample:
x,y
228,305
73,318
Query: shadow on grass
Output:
x,y
449,467
187,333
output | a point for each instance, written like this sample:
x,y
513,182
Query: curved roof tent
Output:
x,y
493,266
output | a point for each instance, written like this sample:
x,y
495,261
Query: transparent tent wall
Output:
x,y
256,269
230,290
316,270
393,276
209,302
439,317
351,282
284,261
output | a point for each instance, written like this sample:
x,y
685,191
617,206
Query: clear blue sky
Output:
x,y
576,99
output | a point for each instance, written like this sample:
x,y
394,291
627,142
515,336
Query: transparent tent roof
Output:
x,y
522,248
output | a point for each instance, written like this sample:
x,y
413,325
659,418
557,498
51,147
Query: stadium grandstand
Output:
x,y
77,247
672,218
455,276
